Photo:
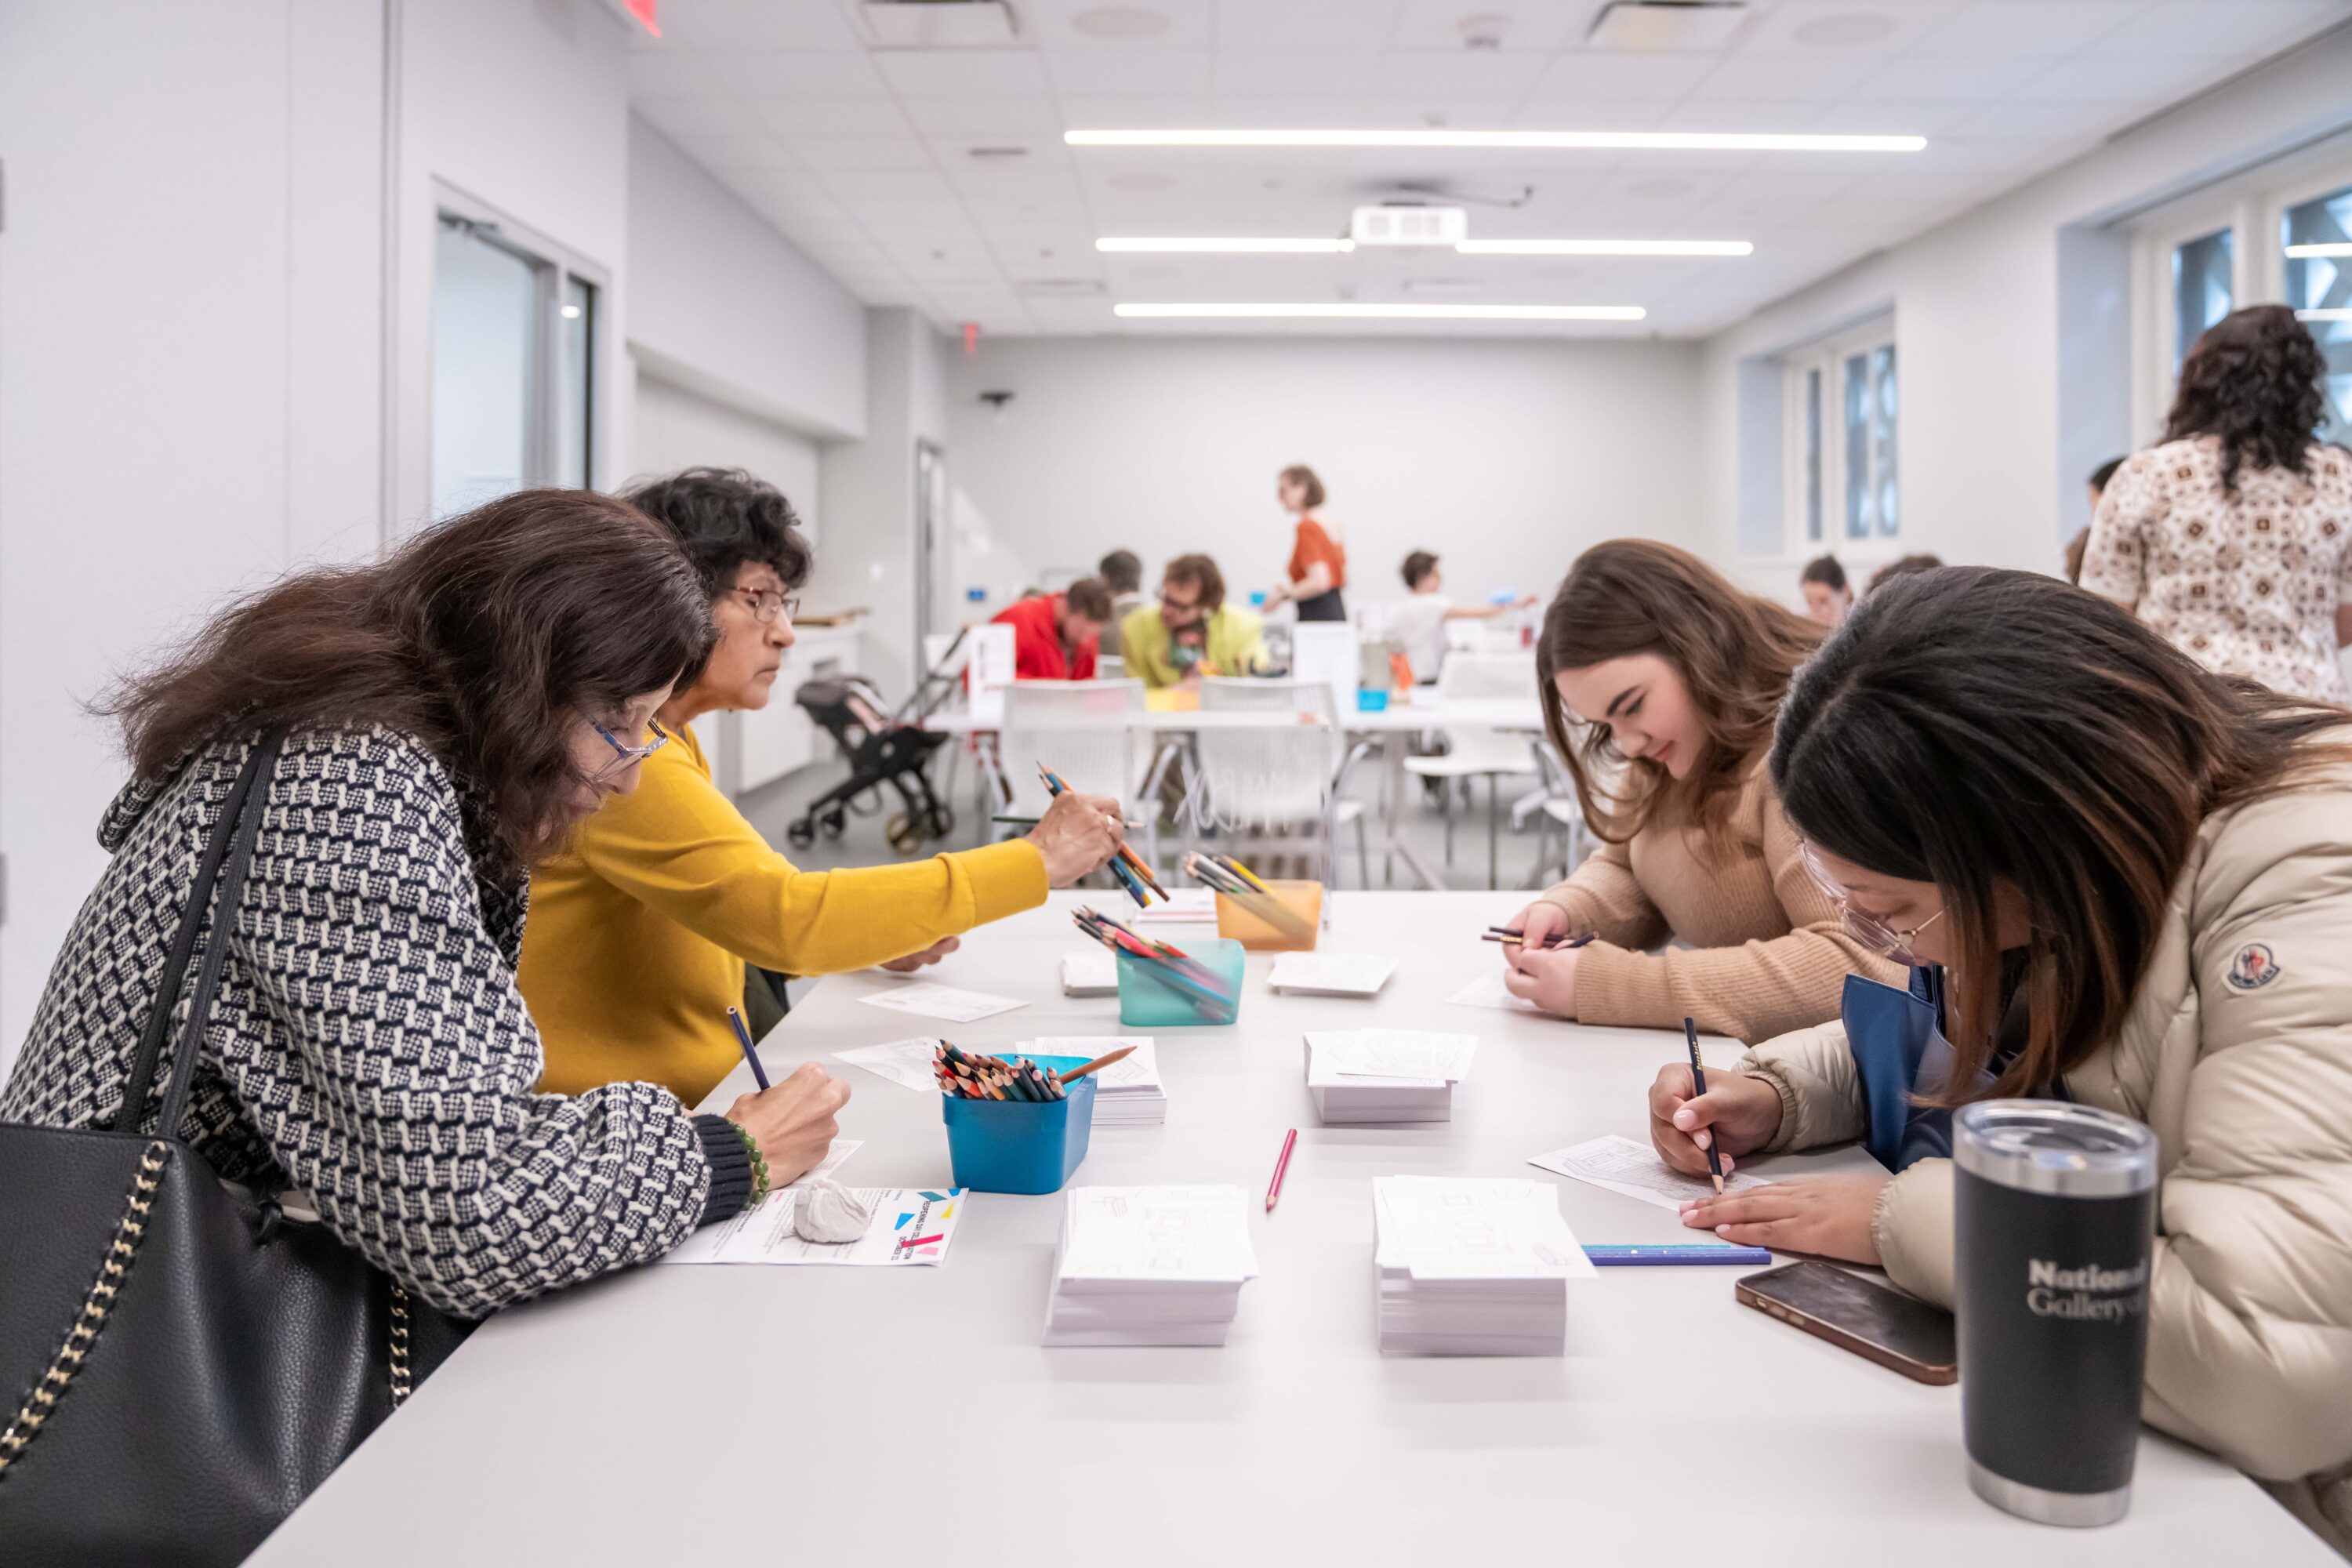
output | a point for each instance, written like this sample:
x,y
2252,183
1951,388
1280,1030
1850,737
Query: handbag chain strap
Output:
x,y
114,1268
400,1377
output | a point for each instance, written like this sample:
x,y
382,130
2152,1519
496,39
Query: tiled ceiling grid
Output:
x,y
939,178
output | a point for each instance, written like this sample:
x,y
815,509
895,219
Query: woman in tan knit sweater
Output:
x,y
1663,679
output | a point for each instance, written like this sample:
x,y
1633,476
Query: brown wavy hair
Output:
x,y
2253,381
484,638
1973,725
1734,650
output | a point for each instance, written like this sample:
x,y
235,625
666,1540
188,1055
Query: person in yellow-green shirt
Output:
x,y
1192,632
639,932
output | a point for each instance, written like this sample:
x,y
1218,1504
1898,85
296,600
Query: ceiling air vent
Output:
x,y
941,24
1659,27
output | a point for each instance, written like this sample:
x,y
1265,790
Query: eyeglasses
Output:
x,y
767,603
1866,928
626,755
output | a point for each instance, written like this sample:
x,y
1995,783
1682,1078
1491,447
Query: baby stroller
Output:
x,y
881,750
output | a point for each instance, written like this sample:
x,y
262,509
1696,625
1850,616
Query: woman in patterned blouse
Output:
x,y
2232,540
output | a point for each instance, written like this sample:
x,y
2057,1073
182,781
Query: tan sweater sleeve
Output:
x,y
1751,992
1605,898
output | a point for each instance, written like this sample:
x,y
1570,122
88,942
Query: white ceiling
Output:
x,y
864,157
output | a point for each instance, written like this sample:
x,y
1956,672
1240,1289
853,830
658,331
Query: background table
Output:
x,y
747,1415
1389,724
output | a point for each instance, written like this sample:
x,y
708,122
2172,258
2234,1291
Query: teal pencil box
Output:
x,y
1151,997
1019,1145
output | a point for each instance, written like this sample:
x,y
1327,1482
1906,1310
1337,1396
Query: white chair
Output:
x,y
1084,730
1475,753
1554,807
1280,780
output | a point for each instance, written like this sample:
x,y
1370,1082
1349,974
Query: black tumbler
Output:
x,y
2053,1209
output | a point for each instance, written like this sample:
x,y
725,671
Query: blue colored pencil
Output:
x,y
751,1051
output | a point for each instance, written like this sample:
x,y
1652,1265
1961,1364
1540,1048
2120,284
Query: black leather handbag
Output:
x,y
184,1363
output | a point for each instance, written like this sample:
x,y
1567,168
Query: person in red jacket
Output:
x,y
1054,635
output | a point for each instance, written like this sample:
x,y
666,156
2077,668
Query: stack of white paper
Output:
x,y
1092,973
1472,1267
1128,1093
1185,906
1150,1265
1331,974
1386,1075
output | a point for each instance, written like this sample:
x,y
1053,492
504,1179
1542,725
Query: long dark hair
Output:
x,y
484,638
1734,650
2253,380
1973,724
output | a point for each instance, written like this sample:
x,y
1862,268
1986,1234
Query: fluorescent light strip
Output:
x,y
1604,247
1388,313
2338,314
1175,245
2336,247
1504,140
1251,247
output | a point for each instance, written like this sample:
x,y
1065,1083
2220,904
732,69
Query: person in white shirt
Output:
x,y
1419,622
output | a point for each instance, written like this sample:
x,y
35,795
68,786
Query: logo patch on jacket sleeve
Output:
x,y
2254,967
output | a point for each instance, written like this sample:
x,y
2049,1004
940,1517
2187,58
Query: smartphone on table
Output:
x,y
1876,1321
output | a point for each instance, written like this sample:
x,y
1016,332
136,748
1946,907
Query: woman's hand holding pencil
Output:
x,y
795,1122
1078,834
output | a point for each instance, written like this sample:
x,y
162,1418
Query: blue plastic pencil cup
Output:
x,y
1153,998
1020,1146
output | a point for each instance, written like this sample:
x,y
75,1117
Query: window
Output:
x,y
1841,410
2316,241
514,354
2203,285
2279,233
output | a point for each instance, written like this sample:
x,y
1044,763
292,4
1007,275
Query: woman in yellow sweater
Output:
x,y
1672,677
639,932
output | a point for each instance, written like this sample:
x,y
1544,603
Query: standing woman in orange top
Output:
x,y
1318,565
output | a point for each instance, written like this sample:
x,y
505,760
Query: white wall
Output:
x,y
522,105
1990,468
722,304
189,393
1504,457
868,557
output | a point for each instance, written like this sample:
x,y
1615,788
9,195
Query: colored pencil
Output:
x,y
1698,1082
1551,944
1281,1165
751,1051
1120,1055
1138,872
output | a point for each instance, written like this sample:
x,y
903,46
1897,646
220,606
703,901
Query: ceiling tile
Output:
x,y
2205,29
2037,27
1132,115
1457,74
2038,123
755,24
1701,113
1188,24
2147,84
887,184
1591,114
1947,78
1256,25
1581,77
1121,73
1317,74
1536,28
669,73
796,116
831,154
798,73
963,73
729,155
1016,118
1789,28
1785,78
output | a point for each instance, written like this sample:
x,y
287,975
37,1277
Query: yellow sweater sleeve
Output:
x,y
679,846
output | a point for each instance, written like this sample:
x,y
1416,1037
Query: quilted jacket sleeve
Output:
x,y
393,1080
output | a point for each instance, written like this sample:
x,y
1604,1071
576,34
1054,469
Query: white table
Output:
x,y
1388,723
844,1415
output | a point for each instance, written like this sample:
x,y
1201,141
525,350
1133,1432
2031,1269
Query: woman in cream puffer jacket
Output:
x,y
2139,877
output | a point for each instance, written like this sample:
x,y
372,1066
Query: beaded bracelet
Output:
x,y
759,1165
